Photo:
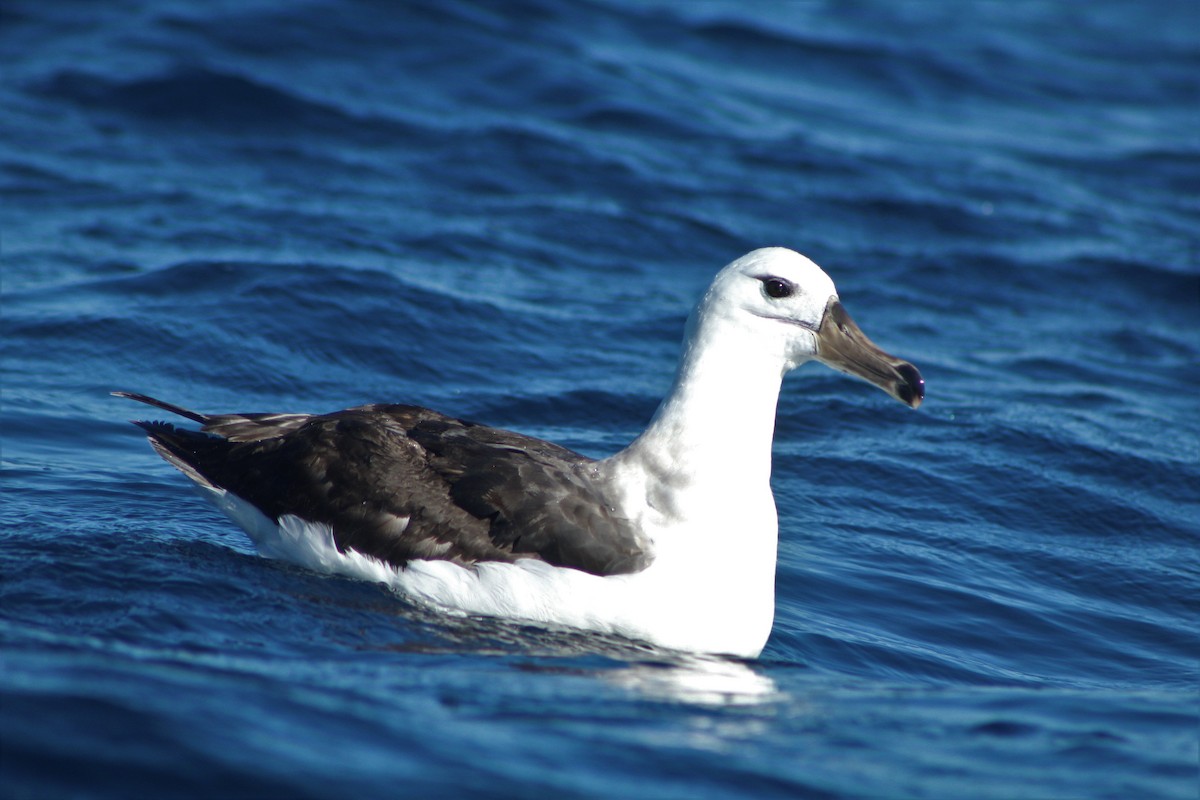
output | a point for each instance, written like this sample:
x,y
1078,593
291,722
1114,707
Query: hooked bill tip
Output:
x,y
912,390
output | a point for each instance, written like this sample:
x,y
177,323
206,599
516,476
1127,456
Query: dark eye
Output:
x,y
777,287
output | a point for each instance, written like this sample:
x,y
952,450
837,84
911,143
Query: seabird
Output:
x,y
671,541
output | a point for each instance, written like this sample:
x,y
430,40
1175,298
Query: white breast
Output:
x,y
673,603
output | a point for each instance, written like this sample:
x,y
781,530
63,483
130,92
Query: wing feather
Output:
x,y
401,482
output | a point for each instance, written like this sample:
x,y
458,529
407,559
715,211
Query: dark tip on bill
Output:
x,y
912,390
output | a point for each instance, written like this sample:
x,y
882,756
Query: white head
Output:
x,y
791,308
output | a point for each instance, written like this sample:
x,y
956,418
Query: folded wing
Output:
x,y
401,482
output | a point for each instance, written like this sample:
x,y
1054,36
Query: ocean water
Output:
x,y
505,211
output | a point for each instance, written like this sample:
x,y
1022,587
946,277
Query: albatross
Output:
x,y
671,541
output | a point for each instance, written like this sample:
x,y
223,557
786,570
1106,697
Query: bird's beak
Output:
x,y
843,346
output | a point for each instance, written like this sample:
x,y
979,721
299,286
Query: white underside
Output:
x,y
666,604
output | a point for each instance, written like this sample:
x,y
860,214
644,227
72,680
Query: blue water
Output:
x,y
505,212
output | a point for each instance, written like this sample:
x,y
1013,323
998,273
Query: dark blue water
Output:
x,y
505,212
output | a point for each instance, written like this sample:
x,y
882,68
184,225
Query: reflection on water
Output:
x,y
702,680
647,671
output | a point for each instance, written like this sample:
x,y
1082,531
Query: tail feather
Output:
x,y
177,445
203,419
179,448
232,427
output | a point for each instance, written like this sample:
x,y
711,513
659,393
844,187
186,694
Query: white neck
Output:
x,y
711,437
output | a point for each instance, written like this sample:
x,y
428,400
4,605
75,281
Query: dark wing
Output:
x,y
401,482
537,497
